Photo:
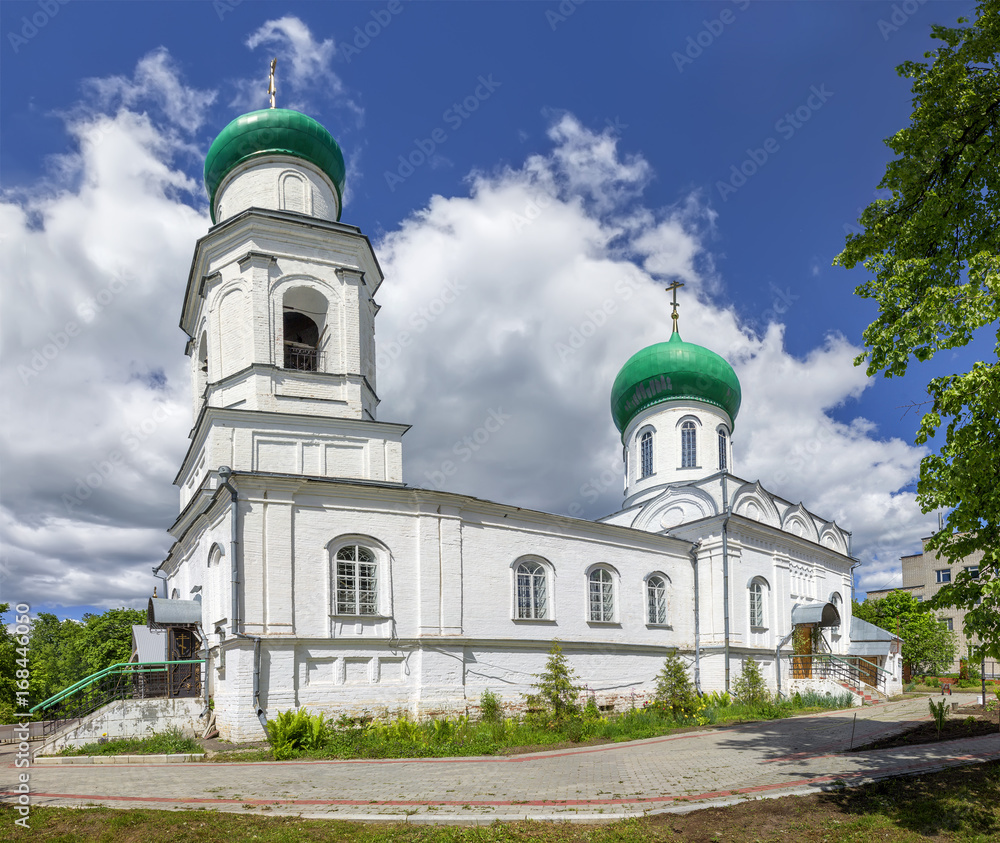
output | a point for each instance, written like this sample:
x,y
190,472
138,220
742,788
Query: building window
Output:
x,y
357,581
757,618
943,575
948,624
304,314
689,448
532,601
723,443
646,451
973,572
836,600
920,598
602,596
656,599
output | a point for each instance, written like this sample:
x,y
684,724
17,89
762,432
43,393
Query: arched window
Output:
x,y
723,444
757,592
602,596
656,599
532,595
356,581
689,448
838,603
304,313
646,453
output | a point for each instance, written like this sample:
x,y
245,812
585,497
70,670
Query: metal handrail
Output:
x,y
121,667
852,669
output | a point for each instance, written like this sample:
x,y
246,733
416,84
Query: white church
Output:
x,y
317,578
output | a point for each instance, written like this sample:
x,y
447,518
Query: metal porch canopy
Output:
x,y
820,614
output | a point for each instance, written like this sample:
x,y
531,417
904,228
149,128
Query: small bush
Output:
x,y
939,713
749,689
556,689
293,731
674,690
171,742
490,707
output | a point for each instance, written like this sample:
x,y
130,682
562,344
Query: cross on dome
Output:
x,y
271,90
674,286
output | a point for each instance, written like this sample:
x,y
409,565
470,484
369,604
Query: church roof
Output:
x,y
273,131
669,371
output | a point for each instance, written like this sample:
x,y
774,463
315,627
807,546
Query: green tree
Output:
x,y
107,638
8,668
674,689
932,249
927,645
556,687
749,688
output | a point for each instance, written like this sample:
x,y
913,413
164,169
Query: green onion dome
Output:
x,y
273,131
670,371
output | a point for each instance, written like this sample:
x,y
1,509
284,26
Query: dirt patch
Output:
x,y
969,721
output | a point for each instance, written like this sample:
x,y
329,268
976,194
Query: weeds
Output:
x,y
171,742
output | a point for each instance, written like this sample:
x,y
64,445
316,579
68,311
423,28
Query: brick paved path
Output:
x,y
779,757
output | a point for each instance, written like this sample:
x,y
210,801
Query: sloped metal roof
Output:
x,y
162,613
821,614
148,645
870,640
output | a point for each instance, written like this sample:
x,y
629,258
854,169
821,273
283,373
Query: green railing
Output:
x,y
855,670
128,680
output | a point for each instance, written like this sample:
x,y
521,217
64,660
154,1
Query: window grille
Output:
x,y
602,596
357,581
689,448
656,595
646,446
531,596
756,604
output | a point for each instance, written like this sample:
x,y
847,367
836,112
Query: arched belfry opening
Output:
x,y
303,329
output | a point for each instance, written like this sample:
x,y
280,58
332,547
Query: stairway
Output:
x,y
869,696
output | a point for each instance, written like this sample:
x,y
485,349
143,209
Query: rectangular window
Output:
x,y
948,623
756,605
943,575
973,572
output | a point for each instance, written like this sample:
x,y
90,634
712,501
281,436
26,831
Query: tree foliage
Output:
x,y
927,645
8,668
749,688
932,249
674,689
63,652
556,687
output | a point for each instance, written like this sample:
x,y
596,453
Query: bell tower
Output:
x,y
280,311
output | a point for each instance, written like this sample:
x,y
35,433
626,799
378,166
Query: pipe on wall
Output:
x,y
693,553
225,474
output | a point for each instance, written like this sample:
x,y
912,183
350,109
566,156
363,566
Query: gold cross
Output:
x,y
271,90
674,286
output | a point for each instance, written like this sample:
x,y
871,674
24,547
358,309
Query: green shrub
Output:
x,y
293,731
674,690
556,690
749,689
939,713
490,707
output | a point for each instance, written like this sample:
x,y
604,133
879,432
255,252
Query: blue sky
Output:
x,y
581,150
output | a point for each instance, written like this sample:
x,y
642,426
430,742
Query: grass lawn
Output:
x,y
961,805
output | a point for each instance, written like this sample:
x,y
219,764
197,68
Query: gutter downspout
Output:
x,y
225,472
777,657
166,594
693,553
725,578
259,710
